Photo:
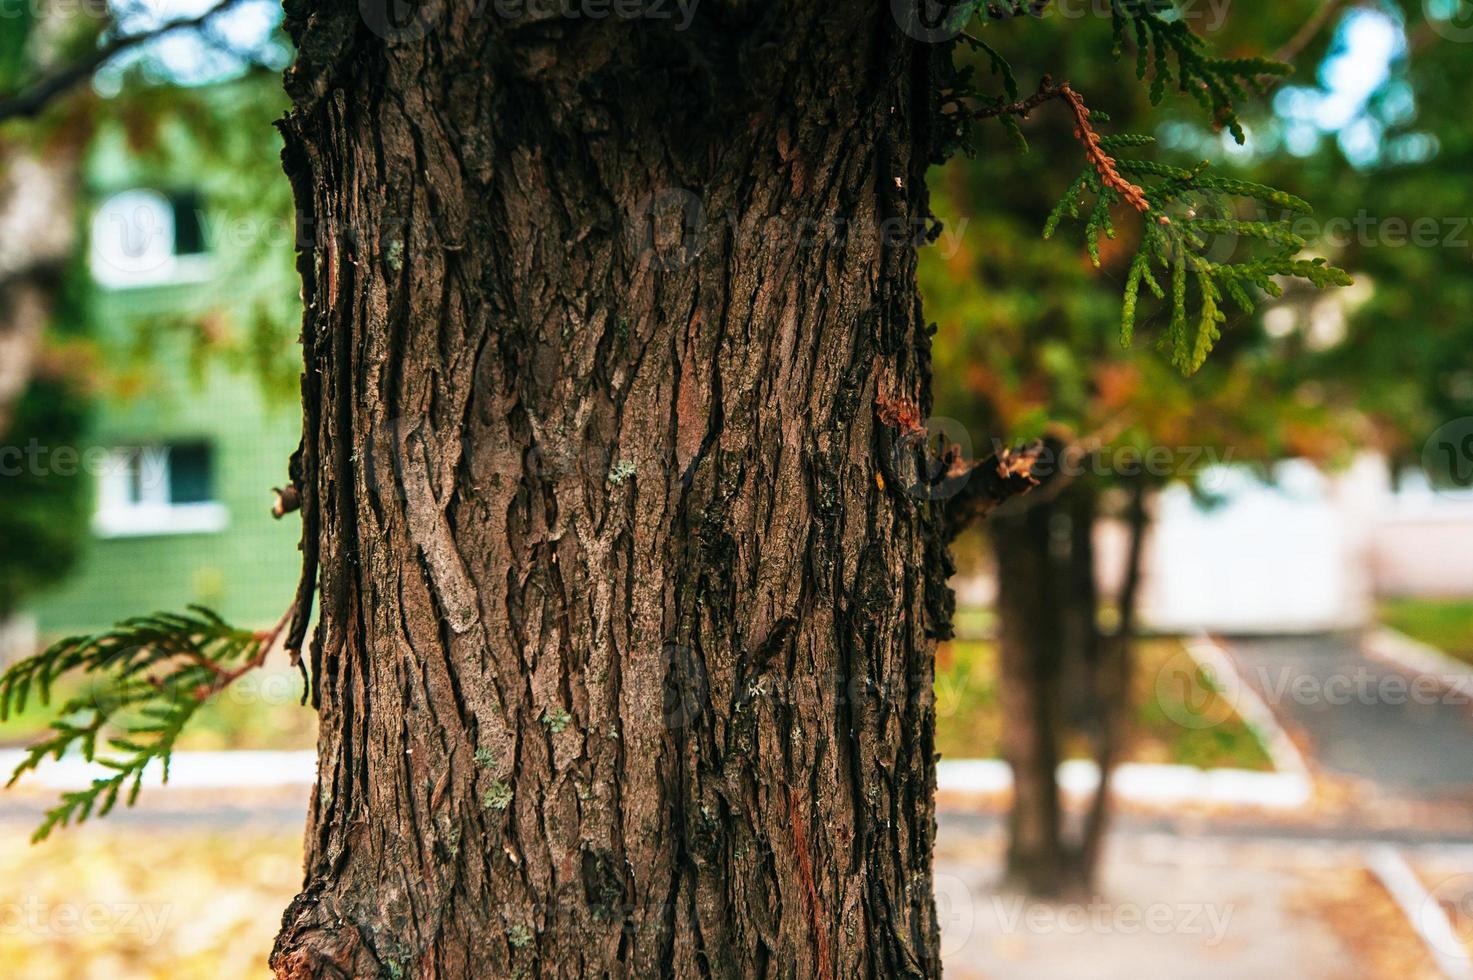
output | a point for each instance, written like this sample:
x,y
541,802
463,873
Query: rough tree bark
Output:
x,y
624,661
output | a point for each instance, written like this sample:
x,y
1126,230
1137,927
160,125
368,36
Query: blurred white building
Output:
x,y
1307,552
1310,551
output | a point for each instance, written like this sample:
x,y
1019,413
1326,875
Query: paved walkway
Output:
x,y
1209,901
1357,716
1172,907
1229,895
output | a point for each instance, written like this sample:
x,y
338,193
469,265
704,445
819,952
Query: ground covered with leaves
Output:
x,y
108,901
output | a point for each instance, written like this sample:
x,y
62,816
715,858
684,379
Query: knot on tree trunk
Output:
x,y
307,949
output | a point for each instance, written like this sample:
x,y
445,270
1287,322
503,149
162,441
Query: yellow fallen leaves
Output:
x,y
111,902
1357,908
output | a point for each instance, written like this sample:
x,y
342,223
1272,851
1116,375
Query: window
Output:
x,y
144,238
189,231
158,489
189,474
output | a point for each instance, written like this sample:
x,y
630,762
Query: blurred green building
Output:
x,y
190,432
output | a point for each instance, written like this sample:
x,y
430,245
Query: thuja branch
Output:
x,y
1094,146
1166,50
1014,8
1047,91
144,679
1210,252
1103,164
1214,82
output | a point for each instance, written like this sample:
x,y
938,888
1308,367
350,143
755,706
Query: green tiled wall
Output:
x,y
247,571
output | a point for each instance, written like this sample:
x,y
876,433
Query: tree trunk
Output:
x,y
624,660
1079,602
37,239
1059,673
1110,679
1030,636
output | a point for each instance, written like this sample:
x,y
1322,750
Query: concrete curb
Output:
x,y
1422,910
1420,659
1132,781
1141,783
1254,711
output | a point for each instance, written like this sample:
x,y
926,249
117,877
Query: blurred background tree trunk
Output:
x,y
1061,674
1030,624
37,239
44,403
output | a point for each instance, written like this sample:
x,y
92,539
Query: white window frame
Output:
x,y
132,243
119,515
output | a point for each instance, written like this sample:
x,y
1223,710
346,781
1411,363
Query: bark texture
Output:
x,y
625,651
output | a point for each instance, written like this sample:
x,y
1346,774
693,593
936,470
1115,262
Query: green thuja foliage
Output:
x,y
145,678
1193,232
1167,51
1162,37
1192,235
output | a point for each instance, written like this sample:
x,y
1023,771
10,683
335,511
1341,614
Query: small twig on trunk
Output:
x,y
981,485
1064,456
288,499
990,483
